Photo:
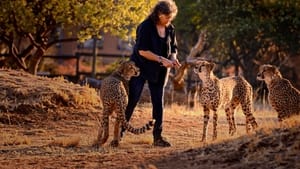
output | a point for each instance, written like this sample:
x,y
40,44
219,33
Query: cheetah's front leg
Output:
x,y
103,131
205,122
215,122
116,138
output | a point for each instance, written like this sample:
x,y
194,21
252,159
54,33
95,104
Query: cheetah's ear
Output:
x,y
276,71
121,67
212,66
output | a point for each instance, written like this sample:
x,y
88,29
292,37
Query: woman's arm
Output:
x,y
151,56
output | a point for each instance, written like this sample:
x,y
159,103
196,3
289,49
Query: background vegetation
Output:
x,y
29,28
244,33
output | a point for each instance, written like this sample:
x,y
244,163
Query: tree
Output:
x,y
244,33
187,29
27,26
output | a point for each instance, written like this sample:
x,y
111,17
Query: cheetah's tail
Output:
x,y
140,130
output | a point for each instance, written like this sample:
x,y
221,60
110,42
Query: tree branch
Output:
x,y
178,77
13,51
27,51
198,47
32,40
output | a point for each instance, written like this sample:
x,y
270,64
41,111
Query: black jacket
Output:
x,y
147,38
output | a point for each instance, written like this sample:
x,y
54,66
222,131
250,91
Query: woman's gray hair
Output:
x,y
165,7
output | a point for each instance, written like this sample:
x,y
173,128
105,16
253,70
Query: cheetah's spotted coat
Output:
x,y
228,92
114,96
283,97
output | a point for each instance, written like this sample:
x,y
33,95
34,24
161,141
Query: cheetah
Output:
x,y
114,96
283,97
227,92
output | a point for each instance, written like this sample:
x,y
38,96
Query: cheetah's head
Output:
x,y
268,72
128,69
203,68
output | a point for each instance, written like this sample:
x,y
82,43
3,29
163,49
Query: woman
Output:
x,y
154,53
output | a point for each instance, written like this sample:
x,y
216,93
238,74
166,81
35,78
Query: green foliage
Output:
x,y
229,20
186,27
26,25
90,16
243,33
269,20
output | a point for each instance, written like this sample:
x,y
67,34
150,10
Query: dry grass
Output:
x,y
12,140
43,97
66,142
21,88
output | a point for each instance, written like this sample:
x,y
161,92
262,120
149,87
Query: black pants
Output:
x,y
136,85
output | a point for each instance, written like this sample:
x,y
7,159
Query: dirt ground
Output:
x,y
68,144
49,124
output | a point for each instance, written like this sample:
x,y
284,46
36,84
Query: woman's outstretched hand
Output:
x,y
170,63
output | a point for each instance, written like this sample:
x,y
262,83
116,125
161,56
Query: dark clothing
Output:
x,y
147,39
136,85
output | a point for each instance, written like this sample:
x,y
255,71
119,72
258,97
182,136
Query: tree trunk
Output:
x,y
234,56
34,61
